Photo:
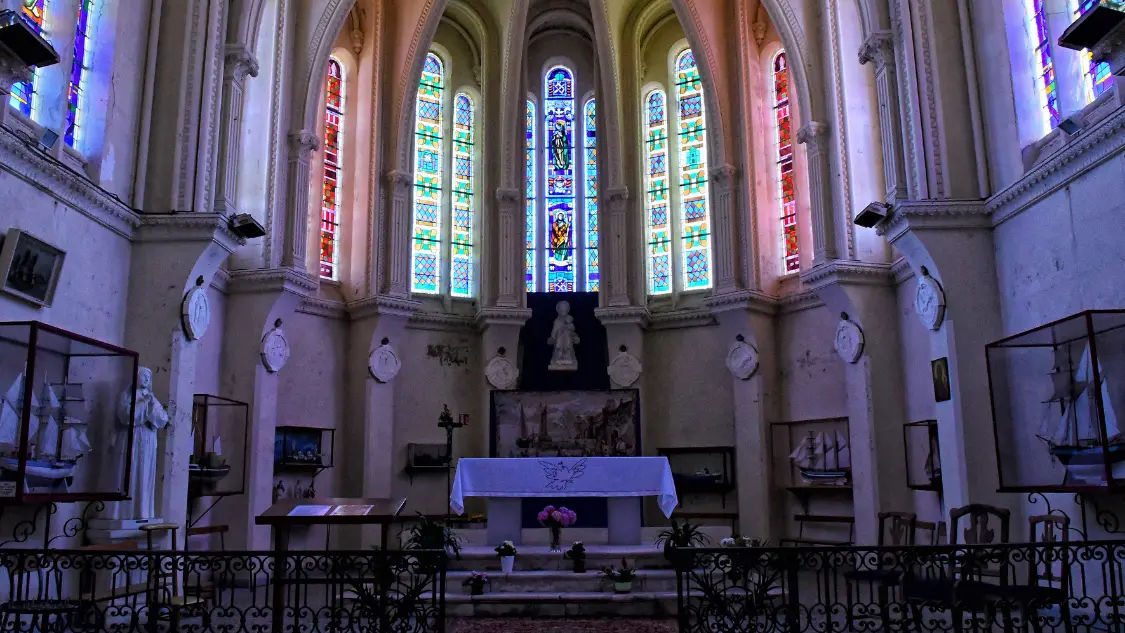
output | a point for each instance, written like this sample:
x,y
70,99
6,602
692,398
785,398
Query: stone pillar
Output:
x,y
876,409
814,136
240,62
510,210
952,240
171,255
725,231
301,146
615,242
746,320
367,444
394,238
879,48
499,328
257,300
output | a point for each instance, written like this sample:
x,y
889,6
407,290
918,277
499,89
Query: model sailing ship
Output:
x,y
56,437
1070,427
823,459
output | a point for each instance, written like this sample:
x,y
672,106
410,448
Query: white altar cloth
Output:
x,y
564,477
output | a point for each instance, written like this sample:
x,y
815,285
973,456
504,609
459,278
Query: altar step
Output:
x,y
561,582
562,604
540,558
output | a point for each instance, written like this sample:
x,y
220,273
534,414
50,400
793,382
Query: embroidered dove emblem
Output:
x,y
559,475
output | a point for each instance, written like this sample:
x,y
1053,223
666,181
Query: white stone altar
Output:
x,y
622,480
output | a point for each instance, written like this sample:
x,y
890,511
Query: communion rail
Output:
x,y
1064,587
222,592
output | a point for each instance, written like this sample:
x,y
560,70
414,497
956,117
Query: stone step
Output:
x,y
540,558
563,604
554,582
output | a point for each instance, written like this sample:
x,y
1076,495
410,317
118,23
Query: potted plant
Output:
x,y
507,553
475,582
577,553
622,577
556,519
681,535
431,535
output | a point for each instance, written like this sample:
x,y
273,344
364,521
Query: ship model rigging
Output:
x,y
823,459
56,436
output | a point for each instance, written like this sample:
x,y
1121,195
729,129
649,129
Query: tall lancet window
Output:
x,y
590,158
426,246
330,206
23,93
695,227
532,234
461,275
1045,67
786,184
78,69
656,193
558,129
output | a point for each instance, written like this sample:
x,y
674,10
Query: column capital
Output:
x,y
616,197
723,176
302,143
879,47
501,316
240,61
812,135
398,180
623,315
506,195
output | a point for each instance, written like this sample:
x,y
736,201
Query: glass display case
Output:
x,y
1057,393
923,458
217,467
66,415
701,470
303,448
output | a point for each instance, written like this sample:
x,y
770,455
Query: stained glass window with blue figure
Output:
x,y
558,130
23,92
531,232
590,136
425,248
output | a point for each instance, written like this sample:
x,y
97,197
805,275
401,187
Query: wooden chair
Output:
x,y
961,587
934,533
803,520
1048,573
896,529
165,591
212,585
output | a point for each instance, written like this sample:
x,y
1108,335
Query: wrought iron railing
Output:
x,y
222,592
1075,587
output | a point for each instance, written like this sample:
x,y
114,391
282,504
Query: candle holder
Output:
x,y
445,421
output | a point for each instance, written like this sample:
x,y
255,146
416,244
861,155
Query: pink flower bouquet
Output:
x,y
556,519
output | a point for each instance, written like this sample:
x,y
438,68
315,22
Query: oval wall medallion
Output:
x,y
742,360
849,341
383,363
195,313
625,369
275,350
929,302
501,373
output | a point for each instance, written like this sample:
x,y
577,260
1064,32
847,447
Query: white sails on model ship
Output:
x,y
1070,429
56,441
823,459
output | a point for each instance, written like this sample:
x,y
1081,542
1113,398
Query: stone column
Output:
x,y
725,231
814,136
747,318
301,146
394,238
952,240
615,242
499,328
257,301
879,48
510,225
171,255
240,62
876,410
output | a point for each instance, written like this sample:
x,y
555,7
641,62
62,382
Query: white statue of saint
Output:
x,y
148,418
564,339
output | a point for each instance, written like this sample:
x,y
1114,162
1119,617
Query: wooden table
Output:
x,y
283,516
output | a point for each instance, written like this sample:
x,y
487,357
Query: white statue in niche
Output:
x,y
564,339
148,418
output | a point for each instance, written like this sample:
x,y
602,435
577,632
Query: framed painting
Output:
x,y
596,423
31,267
940,370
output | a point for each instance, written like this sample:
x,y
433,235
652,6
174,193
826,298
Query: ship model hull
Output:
x,y
830,477
41,468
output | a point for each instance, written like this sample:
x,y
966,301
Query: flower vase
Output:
x,y
476,589
556,538
580,566
622,587
506,564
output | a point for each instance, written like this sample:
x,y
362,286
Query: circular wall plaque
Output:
x,y
501,373
849,341
275,350
195,312
929,302
742,360
383,363
625,369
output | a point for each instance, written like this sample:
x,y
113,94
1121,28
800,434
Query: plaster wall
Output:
x,y
812,374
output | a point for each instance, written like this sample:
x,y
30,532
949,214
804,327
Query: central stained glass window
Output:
x,y
558,161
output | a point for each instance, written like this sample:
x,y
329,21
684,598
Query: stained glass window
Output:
x,y
656,193
78,69
23,93
1045,68
426,245
1099,74
695,225
589,129
330,205
461,273
558,157
786,185
532,233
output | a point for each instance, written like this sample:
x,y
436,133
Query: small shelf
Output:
x,y
427,459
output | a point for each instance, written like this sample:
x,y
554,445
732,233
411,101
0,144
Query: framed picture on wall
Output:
x,y
30,267
940,369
